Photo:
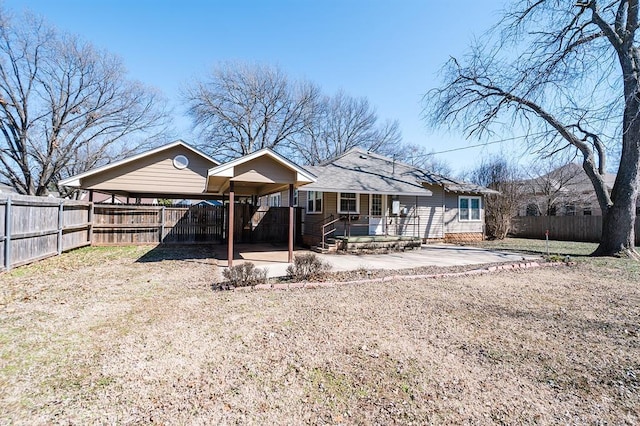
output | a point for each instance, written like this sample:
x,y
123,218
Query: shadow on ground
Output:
x,y
265,252
180,252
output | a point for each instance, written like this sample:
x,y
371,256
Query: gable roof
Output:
x,y
361,171
226,169
260,172
567,178
75,180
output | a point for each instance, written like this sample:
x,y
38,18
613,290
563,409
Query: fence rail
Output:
x,y
114,225
563,228
34,228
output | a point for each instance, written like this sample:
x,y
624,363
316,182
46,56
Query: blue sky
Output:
x,y
389,51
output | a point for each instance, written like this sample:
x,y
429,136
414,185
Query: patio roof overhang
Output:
x,y
259,173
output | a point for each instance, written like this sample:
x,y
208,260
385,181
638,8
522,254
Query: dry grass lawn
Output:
x,y
95,336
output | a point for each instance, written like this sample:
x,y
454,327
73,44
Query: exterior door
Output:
x,y
377,209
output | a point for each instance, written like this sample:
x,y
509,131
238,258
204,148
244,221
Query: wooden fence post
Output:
x,y
162,223
90,220
60,226
7,235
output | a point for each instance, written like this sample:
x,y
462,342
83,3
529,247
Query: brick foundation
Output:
x,y
463,237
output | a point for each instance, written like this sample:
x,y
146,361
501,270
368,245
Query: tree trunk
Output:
x,y
618,233
618,221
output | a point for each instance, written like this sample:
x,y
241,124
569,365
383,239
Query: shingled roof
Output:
x,y
361,171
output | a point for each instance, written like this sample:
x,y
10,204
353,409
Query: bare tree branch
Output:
x,y
565,70
65,107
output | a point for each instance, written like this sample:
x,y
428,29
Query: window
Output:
x,y
275,200
180,162
348,203
533,210
469,208
295,198
314,202
570,209
376,205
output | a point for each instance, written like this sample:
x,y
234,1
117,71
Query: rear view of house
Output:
x,y
364,194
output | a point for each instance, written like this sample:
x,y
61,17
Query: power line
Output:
x,y
484,144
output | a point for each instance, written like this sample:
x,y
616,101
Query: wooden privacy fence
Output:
x,y
563,228
117,225
124,224
33,228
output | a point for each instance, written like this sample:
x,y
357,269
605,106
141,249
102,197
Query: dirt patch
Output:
x,y
98,336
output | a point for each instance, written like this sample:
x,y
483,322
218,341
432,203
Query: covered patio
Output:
x,y
179,171
260,173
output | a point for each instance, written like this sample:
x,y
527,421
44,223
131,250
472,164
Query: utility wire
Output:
x,y
482,144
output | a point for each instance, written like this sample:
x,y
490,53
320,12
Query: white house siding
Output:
x,y
452,225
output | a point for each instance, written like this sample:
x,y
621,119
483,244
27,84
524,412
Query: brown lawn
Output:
x,y
94,336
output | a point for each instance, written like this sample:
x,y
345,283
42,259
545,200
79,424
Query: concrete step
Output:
x,y
328,248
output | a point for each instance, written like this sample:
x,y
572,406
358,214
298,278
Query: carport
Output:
x,y
179,171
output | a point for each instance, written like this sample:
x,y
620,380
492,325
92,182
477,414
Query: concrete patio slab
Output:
x,y
275,258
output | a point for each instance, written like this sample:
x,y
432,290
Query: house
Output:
x,y
355,195
365,194
6,189
564,191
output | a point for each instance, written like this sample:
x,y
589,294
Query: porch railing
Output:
x,y
328,228
400,225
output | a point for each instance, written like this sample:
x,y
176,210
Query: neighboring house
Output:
x,y
196,203
371,194
565,191
6,189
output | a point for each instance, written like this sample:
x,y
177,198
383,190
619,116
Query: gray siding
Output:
x,y
452,224
429,209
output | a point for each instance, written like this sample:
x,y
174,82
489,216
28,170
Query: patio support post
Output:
x,y
230,224
291,227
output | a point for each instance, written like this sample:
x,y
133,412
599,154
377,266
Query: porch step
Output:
x,y
330,246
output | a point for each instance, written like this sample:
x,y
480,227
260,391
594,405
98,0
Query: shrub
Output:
x,y
306,266
245,274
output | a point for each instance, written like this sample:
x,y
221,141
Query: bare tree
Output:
x,y
240,108
64,106
418,156
566,73
342,122
499,174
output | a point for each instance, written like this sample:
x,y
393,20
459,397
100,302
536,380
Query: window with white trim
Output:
x,y
295,198
275,200
348,202
469,209
314,202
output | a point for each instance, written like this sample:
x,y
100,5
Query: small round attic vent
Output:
x,y
180,162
